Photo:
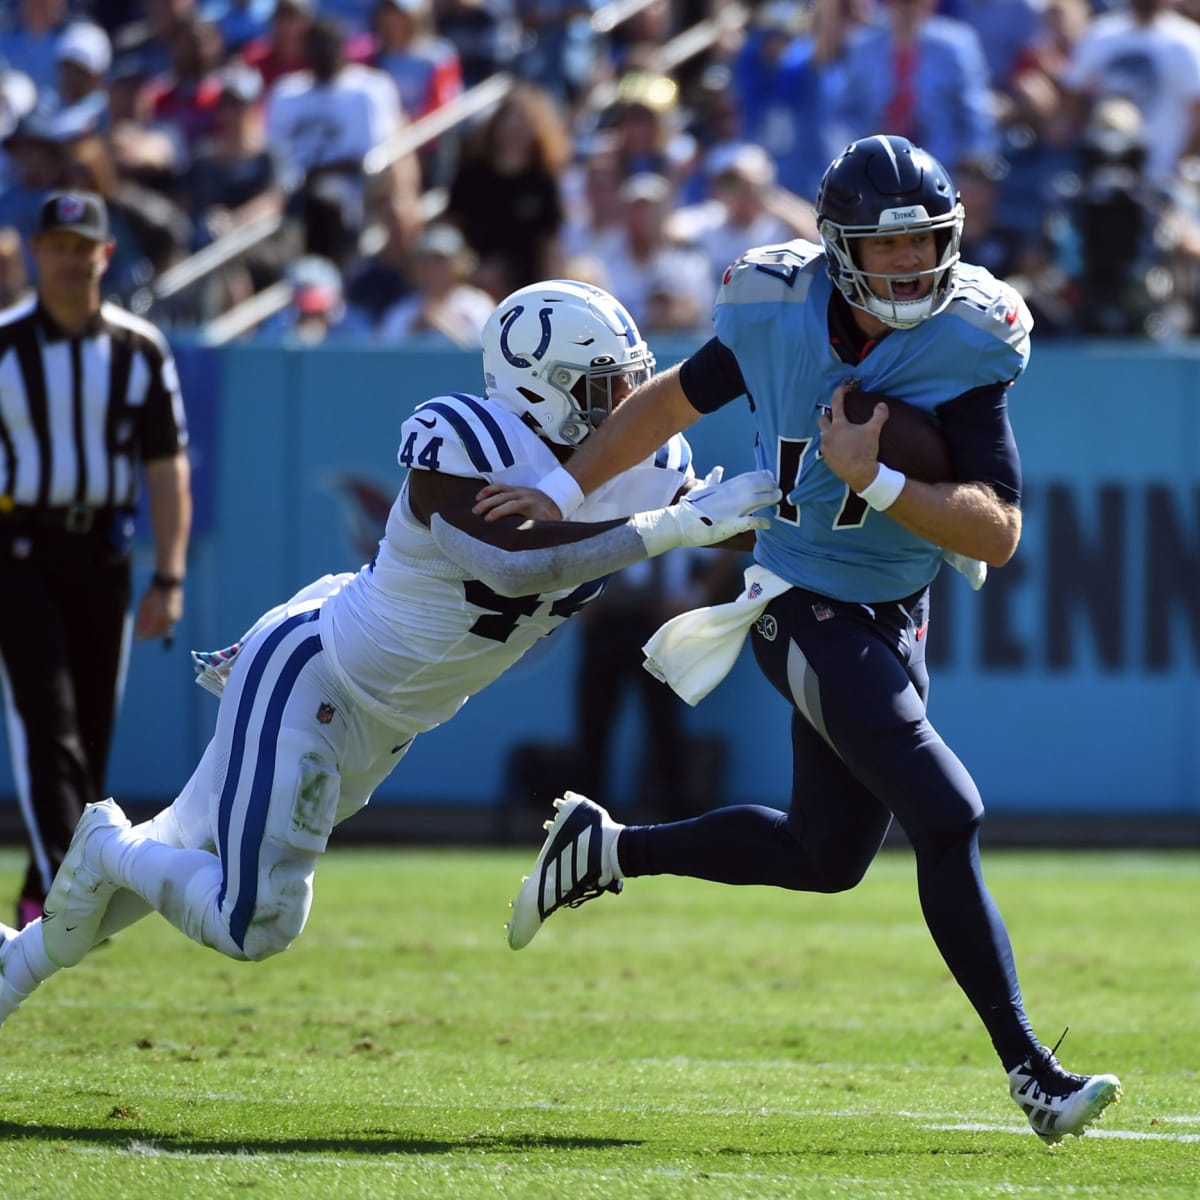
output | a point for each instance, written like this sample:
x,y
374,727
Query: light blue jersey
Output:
x,y
772,313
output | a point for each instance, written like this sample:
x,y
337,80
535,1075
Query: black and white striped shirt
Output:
x,y
77,414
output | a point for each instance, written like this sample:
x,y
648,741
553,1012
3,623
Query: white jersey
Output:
x,y
412,636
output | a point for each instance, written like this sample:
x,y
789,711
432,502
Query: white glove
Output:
x,y
709,514
974,571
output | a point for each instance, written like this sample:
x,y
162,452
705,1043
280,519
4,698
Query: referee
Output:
x,y
88,395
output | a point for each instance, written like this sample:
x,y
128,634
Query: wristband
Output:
x,y
563,488
165,582
882,491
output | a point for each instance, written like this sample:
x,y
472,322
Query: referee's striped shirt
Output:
x,y
78,413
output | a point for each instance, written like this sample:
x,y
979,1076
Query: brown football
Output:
x,y
910,440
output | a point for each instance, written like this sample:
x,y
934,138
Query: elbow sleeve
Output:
x,y
545,569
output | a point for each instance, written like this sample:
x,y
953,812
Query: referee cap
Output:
x,y
84,213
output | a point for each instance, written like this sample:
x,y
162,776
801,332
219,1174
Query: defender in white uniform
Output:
x,y
322,697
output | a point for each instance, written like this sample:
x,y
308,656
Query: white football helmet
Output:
x,y
551,354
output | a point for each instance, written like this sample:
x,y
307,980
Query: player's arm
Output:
x,y
515,556
980,515
665,405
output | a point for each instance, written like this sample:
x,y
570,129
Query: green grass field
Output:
x,y
682,1040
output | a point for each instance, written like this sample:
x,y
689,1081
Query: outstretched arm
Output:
x,y
641,423
518,557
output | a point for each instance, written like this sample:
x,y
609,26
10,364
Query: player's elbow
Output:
x,y
1004,538
513,582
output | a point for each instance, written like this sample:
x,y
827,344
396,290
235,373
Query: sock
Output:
x,y
182,885
613,859
26,964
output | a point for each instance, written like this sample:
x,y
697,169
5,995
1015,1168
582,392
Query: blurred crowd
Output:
x,y
642,154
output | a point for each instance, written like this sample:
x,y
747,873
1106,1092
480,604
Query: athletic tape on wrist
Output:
x,y
563,488
882,491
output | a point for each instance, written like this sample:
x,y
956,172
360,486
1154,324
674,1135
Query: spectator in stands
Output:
x,y
30,46
84,56
152,48
485,33
37,158
186,96
505,195
1150,55
1008,30
559,51
1037,87
666,286
645,119
233,180
14,277
592,194
317,309
425,67
386,274
444,308
241,21
636,41
795,95
150,152
18,96
322,122
150,230
746,209
285,48
921,76
427,73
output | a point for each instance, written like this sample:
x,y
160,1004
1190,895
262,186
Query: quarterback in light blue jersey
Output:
x,y
839,597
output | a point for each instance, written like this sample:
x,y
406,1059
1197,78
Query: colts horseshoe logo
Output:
x,y
506,323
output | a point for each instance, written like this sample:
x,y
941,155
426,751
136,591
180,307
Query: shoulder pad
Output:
x,y
992,305
456,434
675,455
771,274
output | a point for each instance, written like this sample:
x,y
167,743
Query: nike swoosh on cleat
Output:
x,y
427,424
70,928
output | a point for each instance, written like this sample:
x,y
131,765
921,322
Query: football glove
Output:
x,y
711,513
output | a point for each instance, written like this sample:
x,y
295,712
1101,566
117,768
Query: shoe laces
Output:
x,y
1051,1076
587,890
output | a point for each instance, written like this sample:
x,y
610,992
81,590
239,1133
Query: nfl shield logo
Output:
x,y
70,209
325,713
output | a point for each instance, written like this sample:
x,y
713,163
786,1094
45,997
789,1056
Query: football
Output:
x,y
910,440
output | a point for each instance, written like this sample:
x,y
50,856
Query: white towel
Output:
x,y
694,651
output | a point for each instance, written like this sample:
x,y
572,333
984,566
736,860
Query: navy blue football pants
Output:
x,y
863,751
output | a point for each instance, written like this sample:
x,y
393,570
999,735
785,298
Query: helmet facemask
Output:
x,y
855,283
591,394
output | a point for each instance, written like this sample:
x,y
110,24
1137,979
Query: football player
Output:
x,y
322,698
885,303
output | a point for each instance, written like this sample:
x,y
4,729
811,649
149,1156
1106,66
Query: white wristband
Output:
x,y
882,491
563,488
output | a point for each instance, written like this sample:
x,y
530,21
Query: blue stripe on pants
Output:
x,y
258,801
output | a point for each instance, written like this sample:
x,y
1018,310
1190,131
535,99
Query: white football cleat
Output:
x,y
577,863
78,898
1057,1102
